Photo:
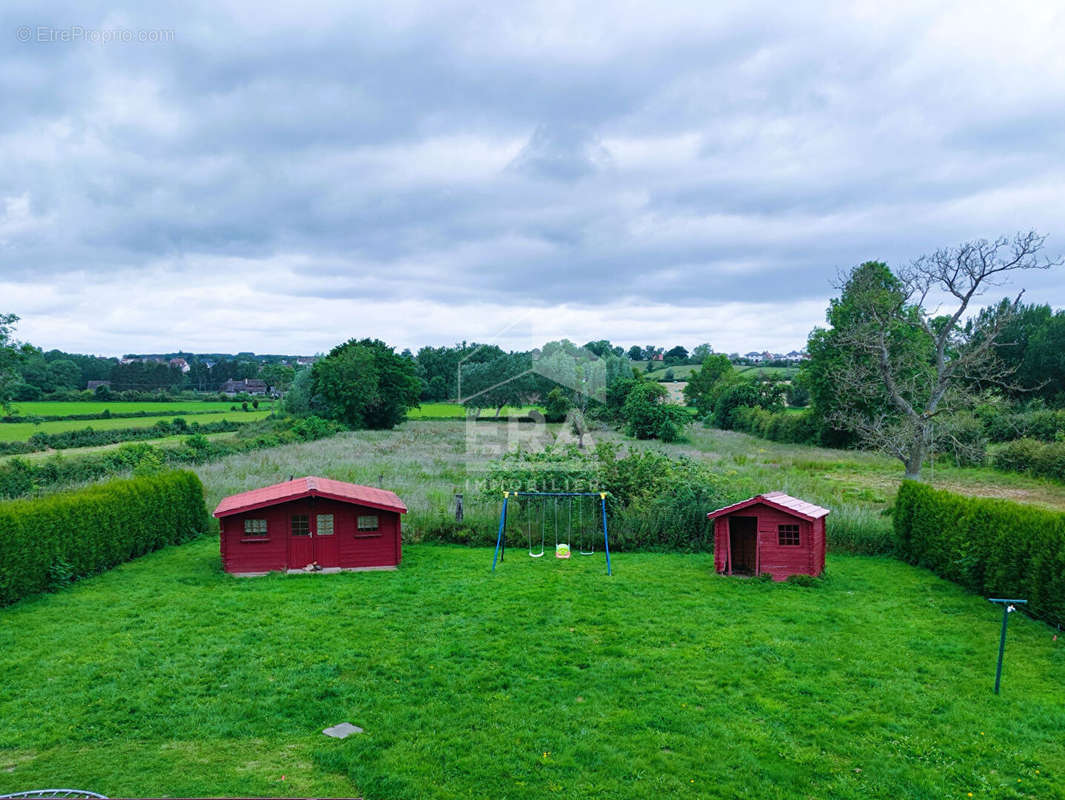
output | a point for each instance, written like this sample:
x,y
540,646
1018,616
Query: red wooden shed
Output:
x,y
310,521
771,533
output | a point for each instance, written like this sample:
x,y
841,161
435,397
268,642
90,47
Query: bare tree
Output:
x,y
910,364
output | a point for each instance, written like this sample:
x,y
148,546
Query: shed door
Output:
x,y
300,543
743,544
325,540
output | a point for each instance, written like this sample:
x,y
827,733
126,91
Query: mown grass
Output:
x,y
21,431
57,408
167,677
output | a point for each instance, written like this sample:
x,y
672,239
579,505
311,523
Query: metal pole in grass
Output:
x,y
502,521
606,539
1008,607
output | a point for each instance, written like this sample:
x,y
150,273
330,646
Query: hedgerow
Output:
x,y
49,541
991,547
1033,457
794,427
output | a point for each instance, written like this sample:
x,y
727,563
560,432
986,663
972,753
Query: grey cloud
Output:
x,y
820,140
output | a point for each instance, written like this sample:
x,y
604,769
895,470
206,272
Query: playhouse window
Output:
x,y
788,535
325,524
368,523
301,525
255,527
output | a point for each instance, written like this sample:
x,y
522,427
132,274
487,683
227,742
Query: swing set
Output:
x,y
563,512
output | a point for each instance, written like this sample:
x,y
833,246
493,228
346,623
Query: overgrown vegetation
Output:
x,y
51,541
20,477
90,437
1046,460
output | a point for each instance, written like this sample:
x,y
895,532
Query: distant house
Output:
x,y
305,361
253,386
94,385
180,363
657,357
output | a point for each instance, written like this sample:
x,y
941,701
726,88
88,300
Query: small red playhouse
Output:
x,y
310,522
771,533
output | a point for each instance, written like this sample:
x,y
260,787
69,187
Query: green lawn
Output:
x,y
167,677
55,408
20,431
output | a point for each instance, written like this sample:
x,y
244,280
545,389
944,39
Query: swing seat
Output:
x,y
535,555
562,551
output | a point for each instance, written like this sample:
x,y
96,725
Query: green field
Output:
x,y
21,431
458,411
167,677
50,408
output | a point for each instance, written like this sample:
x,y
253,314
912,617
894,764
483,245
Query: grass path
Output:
x,y
166,677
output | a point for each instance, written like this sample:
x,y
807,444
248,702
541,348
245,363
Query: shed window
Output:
x,y
301,525
368,523
325,525
788,535
255,527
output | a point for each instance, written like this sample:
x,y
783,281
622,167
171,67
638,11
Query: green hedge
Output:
x,y
49,541
794,427
992,547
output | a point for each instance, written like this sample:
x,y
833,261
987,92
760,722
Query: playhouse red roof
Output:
x,y
310,487
778,500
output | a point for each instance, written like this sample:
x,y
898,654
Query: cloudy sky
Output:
x,y
235,177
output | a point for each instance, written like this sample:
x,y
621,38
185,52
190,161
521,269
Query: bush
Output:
x,y
1042,424
796,427
1032,457
648,416
49,541
653,501
992,547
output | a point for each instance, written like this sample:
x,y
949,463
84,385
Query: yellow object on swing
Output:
x,y
561,551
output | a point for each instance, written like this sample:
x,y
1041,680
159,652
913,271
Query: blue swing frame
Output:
x,y
501,544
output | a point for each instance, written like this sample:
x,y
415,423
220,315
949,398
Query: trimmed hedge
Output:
x,y
50,541
992,547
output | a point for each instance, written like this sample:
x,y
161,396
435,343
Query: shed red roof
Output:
x,y
778,500
310,487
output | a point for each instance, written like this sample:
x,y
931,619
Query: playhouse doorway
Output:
x,y
743,545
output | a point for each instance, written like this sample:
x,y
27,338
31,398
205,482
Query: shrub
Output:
x,y
1032,457
782,426
48,541
648,416
991,547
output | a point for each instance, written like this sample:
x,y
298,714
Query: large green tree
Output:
x,y
364,383
9,360
900,355
703,384
1043,368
